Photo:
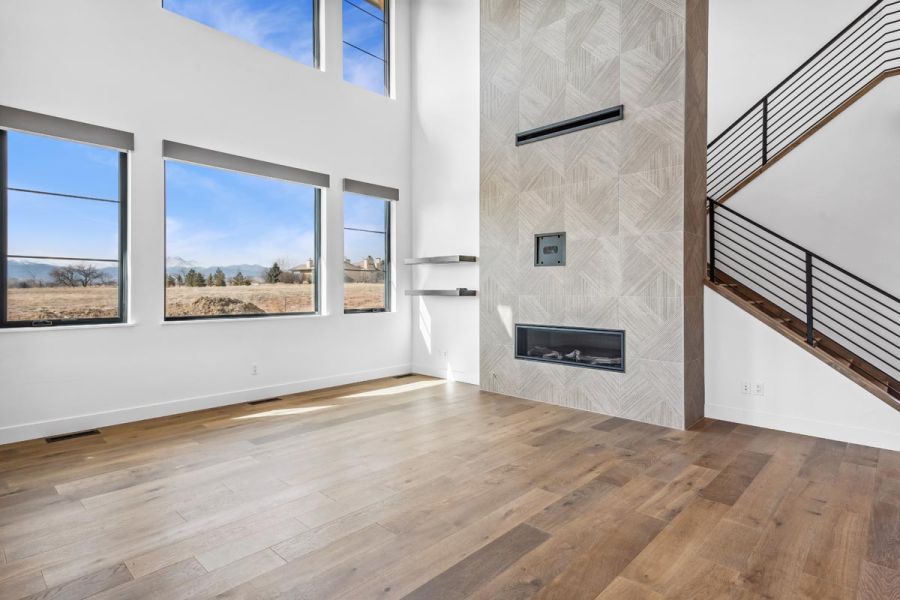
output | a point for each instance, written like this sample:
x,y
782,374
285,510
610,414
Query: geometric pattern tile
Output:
x,y
652,264
593,267
654,326
646,21
593,153
618,191
653,138
651,202
653,74
653,392
592,208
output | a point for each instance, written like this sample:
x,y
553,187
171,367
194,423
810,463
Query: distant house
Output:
x,y
368,270
305,272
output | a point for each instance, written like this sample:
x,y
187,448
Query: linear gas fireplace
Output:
x,y
575,346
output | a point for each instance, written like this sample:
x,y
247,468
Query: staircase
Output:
x,y
851,324
842,319
857,59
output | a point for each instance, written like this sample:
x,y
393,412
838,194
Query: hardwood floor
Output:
x,y
416,488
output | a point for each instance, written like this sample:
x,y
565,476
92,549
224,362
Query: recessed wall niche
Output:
x,y
550,249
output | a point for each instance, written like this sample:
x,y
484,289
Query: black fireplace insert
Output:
x,y
574,346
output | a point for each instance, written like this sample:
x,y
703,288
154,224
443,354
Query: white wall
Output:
x,y
754,45
445,84
802,393
836,193
133,66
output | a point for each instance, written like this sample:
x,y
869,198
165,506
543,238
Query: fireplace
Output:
x,y
573,346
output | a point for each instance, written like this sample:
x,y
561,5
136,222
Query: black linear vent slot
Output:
x,y
265,401
72,436
601,117
404,376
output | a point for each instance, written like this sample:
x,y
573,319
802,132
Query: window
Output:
x,y
288,27
62,231
238,244
366,44
367,259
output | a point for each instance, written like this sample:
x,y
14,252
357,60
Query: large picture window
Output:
x,y
367,253
366,29
239,244
288,27
62,231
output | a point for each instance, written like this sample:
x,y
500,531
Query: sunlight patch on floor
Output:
x,y
398,389
283,412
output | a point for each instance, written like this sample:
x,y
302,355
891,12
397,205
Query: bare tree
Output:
x,y
77,276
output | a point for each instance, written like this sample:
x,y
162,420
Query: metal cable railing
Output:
x,y
865,50
834,308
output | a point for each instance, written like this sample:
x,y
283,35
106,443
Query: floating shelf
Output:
x,y
456,292
440,260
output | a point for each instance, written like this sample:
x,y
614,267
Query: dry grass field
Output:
x,y
241,299
62,303
74,303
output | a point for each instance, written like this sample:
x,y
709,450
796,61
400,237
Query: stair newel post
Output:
x,y
765,130
712,239
810,339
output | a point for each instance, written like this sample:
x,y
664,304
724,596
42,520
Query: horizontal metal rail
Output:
x,y
864,51
856,316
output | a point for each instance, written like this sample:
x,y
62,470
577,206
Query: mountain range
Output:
x,y
176,265
26,270
34,270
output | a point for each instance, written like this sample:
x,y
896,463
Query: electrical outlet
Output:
x,y
254,370
759,389
444,353
746,387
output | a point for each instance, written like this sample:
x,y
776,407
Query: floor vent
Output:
x,y
403,376
265,401
72,436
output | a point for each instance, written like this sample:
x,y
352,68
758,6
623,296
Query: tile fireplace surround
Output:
x,y
629,196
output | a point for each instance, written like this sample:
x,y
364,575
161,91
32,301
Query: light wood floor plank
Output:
x,y
415,487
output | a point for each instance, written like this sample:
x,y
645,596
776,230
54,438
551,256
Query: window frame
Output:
x,y
387,47
122,282
388,264
317,34
317,251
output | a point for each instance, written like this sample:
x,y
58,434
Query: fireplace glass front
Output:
x,y
574,346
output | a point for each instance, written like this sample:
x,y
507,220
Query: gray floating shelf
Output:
x,y
456,292
440,260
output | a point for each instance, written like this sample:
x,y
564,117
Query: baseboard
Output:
x,y
833,431
432,371
41,429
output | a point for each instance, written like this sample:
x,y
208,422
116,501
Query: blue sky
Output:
x,y
282,26
363,27
42,225
219,218
213,217
286,27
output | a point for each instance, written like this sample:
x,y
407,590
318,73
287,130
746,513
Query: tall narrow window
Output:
x,y
367,44
62,231
238,244
288,27
367,253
